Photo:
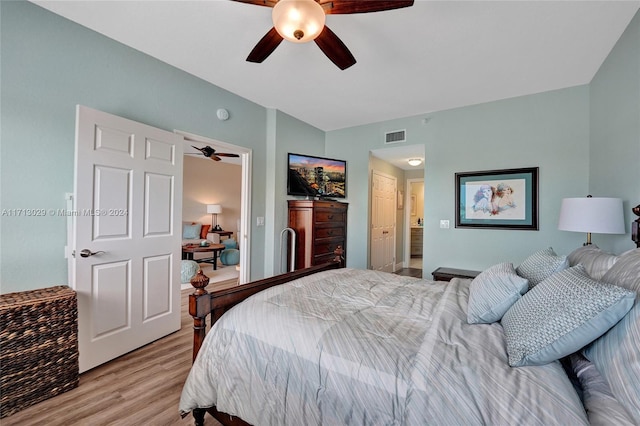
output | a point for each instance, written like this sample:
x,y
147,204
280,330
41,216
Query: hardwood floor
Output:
x,y
410,272
140,388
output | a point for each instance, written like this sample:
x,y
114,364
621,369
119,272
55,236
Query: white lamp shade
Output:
x,y
298,21
595,215
214,208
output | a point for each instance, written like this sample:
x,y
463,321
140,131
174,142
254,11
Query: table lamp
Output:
x,y
598,215
214,209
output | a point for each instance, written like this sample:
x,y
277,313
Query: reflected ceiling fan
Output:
x,y
301,21
209,152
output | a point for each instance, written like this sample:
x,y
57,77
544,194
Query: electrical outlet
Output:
x,y
260,221
444,224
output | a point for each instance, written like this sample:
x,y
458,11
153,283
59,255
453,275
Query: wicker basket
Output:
x,y
39,346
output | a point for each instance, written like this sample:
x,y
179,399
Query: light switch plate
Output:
x,y
444,224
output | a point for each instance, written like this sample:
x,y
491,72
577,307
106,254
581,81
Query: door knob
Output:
x,y
87,252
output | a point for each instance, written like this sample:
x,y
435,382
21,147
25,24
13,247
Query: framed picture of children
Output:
x,y
497,199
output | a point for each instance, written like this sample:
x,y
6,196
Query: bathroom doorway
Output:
x,y
415,220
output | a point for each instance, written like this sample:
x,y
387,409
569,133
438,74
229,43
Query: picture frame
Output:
x,y
413,205
497,199
400,199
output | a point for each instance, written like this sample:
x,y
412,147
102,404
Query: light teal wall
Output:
x,y
614,166
353,144
49,65
584,139
547,130
295,136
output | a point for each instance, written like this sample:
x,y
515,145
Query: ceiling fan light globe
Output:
x,y
299,21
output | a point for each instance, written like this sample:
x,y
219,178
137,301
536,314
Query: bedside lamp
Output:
x,y
214,210
597,215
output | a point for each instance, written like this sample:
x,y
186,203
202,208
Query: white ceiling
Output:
x,y
433,56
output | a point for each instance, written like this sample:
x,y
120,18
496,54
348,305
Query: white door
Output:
x,y
128,209
383,222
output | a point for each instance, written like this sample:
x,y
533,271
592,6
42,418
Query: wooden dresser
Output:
x,y
321,226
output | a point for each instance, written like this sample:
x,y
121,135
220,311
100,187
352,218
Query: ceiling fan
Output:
x,y
209,152
301,21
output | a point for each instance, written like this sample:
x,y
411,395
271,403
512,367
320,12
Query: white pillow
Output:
x,y
541,265
493,292
616,354
594,260
561,315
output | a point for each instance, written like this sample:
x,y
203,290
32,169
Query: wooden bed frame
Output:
x,y
203,303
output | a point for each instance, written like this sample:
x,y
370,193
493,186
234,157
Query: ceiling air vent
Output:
x,y
396,136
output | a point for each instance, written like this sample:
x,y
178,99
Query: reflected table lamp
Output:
x,y
598,215
214,210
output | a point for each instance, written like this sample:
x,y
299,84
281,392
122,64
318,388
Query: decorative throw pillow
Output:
x,y
541,265
616,354
560,315
204,231
594,260
191,232
188,270
493,292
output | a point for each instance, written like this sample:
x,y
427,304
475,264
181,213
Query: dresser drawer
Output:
x,y
321,248
329,232
322,216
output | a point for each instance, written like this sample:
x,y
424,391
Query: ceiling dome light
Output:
x,y
414,161
298,21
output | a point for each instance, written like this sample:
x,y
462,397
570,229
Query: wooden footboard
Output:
x,y
203,303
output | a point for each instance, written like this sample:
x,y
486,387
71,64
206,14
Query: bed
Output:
x,y
331,345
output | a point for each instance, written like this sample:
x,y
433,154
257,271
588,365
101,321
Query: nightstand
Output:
x,y
445,274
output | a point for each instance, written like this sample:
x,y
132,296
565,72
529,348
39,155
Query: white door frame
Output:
x,y
407,220
244,240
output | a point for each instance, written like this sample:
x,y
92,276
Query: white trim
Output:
x,y
69,249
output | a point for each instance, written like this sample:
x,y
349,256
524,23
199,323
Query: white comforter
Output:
x,y
369,348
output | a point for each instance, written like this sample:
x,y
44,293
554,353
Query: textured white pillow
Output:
x,y
561,315
541,265
493,292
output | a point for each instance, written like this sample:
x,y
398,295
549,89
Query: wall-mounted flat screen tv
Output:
x,y
316,176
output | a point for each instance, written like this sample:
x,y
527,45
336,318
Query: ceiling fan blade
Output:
x,y
226,154
335,49
265,46
334,7
206,151
268,3
215,157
